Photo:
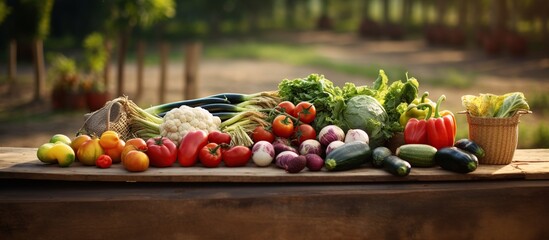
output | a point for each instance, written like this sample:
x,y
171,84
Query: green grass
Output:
x,y
453,79
303,55
297,55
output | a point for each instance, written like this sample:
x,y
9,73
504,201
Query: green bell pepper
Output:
x,y
416,109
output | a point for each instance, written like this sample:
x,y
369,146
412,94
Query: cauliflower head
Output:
x,y
179,121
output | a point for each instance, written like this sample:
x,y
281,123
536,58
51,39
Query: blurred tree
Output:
x,y
160,11
12,61
29,21
126,14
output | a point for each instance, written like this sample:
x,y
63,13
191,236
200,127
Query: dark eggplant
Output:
x,y
470,146
456,160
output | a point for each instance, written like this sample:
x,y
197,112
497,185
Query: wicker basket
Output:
x,y
114,115
497,136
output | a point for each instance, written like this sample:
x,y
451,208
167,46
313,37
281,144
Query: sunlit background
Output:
x,y
55,52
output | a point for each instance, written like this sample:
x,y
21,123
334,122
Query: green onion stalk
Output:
x,y
242,125
142,124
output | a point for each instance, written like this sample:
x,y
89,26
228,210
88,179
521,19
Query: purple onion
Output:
x,y
284,157
354,135
329,134
314,162
263,153
310,146
282,140
296,164
333,145
281,147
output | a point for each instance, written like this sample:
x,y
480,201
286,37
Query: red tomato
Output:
x,y
210,155
262,134
283,126
286,106
103,161
162,152
237,156
219,137
304,132
136,161
190,146
305,112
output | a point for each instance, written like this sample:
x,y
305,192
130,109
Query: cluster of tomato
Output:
x,y
211,149
290,122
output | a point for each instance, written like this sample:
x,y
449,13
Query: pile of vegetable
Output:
x,y
375,109
236,114
307,123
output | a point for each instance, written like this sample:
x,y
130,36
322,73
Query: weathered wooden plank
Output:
x,y
21,163
446,210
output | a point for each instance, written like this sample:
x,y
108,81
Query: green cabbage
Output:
x,y
366,113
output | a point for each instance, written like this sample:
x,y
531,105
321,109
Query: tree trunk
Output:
x,y
407,12
164,53
441,12
141,46
39,71
462,15
425,6
545,24
290,13
107,68
365,9
12,67
122,46
498,15
385,11
192,59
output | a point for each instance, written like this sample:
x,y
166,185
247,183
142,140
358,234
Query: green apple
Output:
x,y
43,153
63,153
60,138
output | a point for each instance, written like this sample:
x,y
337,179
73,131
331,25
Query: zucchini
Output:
x,y
418,155
396,166
456,160
470,146
379,154
348,156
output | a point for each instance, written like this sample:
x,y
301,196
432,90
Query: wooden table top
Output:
x,y
22,163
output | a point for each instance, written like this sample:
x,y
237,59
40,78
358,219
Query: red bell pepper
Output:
x,y
439,131
162,151
189,148
416,129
